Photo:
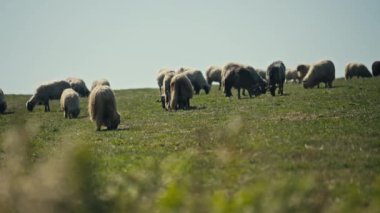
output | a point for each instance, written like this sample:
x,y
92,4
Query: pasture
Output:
x,y
311,150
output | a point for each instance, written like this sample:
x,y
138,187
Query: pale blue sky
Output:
x,y
127,42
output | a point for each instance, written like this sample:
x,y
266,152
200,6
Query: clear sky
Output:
x,y
127,41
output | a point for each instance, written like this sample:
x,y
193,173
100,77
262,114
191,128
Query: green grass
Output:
x,y
315,150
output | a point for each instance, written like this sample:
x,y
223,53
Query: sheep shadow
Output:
x,y
120,128
8,113
82,117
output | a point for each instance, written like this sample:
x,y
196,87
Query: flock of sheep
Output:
x,y
177,87
101,103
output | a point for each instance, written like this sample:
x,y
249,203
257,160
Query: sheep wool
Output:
x,y
100,82
70,103
376,68
3,103
160,78
357,70
214,74
276,77
102,108
45,92
166,93
181,91
79,86
322,71
197,80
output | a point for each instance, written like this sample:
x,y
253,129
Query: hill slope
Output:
x,y
309,150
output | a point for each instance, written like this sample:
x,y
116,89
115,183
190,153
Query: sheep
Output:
x,y
260,83
70,103
181,91
166,87
376,68
102,108
100,82
160,78
356,69
46,92
228,68
302,71
79,86
276,76
291,75
214,73
322,71
3,103
196,79
240,77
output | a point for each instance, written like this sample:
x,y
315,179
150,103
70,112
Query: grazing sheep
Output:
x,y
260,83
358,70
160,78
3,103
322,71
239,77
197,80
214,73
181,91
376,68
102,108
46,92
70,103
79,86
291,75
100,82
166,84
228,68
276,76
302,71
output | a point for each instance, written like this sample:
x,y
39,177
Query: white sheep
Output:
x,y
166,89
160,78
3,103
100,82
358,70
79,86
181,91
45,92
70,103
214,74
102,108
322,71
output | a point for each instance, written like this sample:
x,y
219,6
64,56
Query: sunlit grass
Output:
x,y
309,150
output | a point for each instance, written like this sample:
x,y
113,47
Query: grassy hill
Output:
x,y
307,151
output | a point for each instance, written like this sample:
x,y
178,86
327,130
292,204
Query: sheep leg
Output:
x,y
65,113
238,92
273,89
197,90
98,125
220,85
281,89
47,107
